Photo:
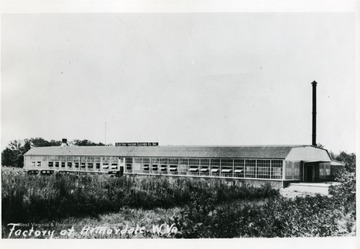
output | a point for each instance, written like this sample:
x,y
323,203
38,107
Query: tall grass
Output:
x,y
29,198
275,217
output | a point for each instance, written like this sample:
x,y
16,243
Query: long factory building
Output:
x,y
278,165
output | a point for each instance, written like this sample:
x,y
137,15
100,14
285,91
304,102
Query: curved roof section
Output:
x,y
308,154
280,152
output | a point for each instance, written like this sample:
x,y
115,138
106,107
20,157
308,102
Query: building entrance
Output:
x,y
309,173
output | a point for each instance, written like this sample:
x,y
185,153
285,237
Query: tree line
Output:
x,y
13,154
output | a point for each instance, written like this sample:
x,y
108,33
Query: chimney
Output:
x,y
314,83
64,142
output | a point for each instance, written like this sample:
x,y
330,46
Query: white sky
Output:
x,y
179,79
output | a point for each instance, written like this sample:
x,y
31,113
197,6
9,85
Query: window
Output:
x,y
194,162
183,165
138,160
128,162
57,164
114,166
82,165
146,164
238,168
194,166
250,168
163,168
321,170
184,161
155,164
62,164
90,165
276,169
204,166
164,165
69,164
105,160
327,169
98,165
39,164
263,169
215,167
51,164
173,168
324,170
76,165
226,167
163,161
173,161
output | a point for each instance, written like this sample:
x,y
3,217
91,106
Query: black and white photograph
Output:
x,y
173,125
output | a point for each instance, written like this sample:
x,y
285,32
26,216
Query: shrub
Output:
x,y
345,192
277,217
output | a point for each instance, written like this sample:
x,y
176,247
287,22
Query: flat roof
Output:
x,y
268,151
337,163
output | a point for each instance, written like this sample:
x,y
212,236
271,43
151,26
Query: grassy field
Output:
x,y
157,207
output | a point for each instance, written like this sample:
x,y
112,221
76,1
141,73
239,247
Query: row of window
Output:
x,y
78,158
82,165
36,161
244,168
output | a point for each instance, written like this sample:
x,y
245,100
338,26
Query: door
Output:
x,y
309,173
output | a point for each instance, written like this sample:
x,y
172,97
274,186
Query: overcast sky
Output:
x,y
179,79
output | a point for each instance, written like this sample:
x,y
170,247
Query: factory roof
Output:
x,y
267,151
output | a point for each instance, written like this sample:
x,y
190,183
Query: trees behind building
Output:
x,y
13,154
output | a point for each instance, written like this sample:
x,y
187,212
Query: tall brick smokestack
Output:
x,y
314,83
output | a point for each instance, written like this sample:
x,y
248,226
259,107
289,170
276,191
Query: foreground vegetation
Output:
x,y
277,217
196,208
29,198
